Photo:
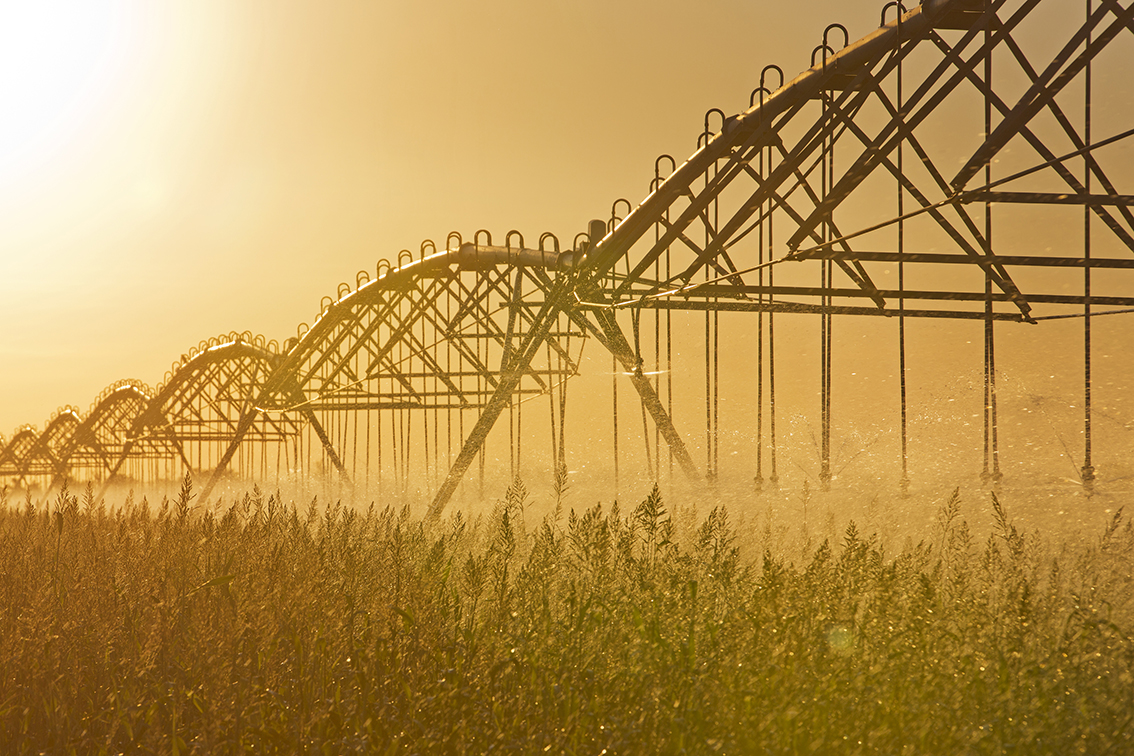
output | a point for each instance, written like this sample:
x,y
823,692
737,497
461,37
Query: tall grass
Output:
x,y
265,627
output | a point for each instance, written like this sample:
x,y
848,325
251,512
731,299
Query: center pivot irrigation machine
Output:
x,y
960,162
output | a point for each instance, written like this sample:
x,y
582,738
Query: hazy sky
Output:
x,y
170,171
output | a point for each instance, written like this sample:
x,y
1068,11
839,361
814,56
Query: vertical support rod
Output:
x,y
517,297
614,390
1087,474
562,451
636,322
657,370
710,472
994,425
774,477
669,353
824,317
614,413
759,479
990,471
904,481
552,376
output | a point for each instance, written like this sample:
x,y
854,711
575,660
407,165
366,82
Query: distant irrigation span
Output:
x,y
888,180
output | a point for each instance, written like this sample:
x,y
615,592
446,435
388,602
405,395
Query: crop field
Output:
x,y
258,625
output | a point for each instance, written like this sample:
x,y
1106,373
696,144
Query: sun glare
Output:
x,y
59,63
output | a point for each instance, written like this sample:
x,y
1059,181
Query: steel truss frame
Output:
x,y
775,165
99,442
435,338
197,419
898,158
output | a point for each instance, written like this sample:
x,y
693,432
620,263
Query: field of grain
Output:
x,y
258,625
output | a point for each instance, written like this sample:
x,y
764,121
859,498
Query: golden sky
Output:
x,y
170,171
